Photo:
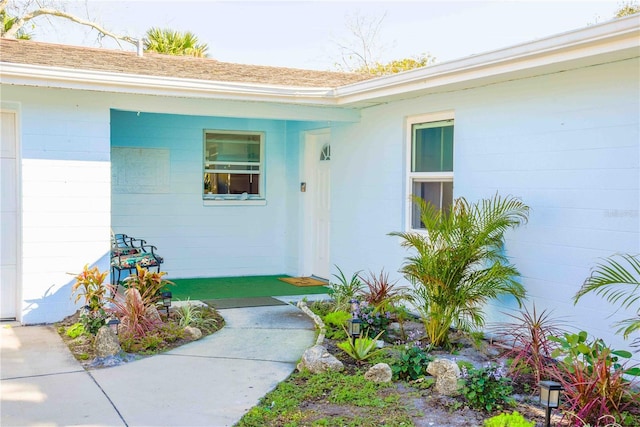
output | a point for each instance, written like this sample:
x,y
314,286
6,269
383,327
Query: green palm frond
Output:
x,y
617,279
458,263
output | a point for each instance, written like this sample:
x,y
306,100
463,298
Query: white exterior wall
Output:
x,y
65,195
566,143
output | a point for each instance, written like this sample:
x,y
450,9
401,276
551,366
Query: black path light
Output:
x,y
166,301
113,324
549,398
355,323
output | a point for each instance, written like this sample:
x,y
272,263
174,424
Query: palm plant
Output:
x,y
170,42
618,280
459,262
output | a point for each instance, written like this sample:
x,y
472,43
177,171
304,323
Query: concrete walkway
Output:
x,y
210,382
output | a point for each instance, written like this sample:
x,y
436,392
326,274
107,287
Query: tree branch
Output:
x,y
20,22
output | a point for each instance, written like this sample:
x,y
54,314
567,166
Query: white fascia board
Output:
x,y
57,77
621,35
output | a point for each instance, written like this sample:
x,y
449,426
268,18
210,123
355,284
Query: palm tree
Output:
x,y
619,282
174,43
459,262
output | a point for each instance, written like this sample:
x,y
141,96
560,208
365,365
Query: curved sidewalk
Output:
x,y
210,382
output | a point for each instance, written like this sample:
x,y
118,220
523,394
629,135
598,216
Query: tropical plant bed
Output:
x,y
168,336
347,399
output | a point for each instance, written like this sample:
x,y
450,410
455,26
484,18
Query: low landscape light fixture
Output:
x,y
355,324
549,398
113,324
166,301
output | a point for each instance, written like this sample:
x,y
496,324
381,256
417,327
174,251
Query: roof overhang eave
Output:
x,y
64,78
615,40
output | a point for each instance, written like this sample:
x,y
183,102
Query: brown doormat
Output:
x,y
303,281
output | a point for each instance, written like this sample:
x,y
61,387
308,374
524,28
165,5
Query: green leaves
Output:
x,y
360,349
458,263
618,280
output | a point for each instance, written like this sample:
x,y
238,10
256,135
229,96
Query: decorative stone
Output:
x,y
317,359
106,342
152,314
192,333
447,374
380,373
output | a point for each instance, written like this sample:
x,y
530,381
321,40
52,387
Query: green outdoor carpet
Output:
x,y
243,302
210,288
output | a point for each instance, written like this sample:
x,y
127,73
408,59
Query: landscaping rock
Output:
x,y
106,343
380,373
152,314
447,374
317,359
192,333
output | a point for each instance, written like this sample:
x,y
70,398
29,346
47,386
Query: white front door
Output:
x,y
318,204
8,216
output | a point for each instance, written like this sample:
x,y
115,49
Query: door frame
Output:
x,y
309,161
14,108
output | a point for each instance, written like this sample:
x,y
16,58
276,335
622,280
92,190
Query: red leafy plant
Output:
x,y
379,292
593,378
137,318
529,338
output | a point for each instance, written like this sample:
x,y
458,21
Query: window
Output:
x,y
431,166
233,165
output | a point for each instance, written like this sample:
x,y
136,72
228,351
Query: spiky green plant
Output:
x,y
343,290
361,348
618,280
458,263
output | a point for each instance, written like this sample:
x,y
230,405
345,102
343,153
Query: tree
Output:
x,y
15,20
458,263
172,42
628,8
361,54
398,65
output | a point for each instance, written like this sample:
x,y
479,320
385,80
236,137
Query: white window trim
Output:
x,y
420,176
236,200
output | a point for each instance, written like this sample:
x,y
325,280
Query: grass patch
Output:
x,y
304,397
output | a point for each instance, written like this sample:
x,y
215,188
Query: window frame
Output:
x,y
412,177
235,199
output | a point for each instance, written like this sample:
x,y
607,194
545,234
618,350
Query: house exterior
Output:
x,y
235,170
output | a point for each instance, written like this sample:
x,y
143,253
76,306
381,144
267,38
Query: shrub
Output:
x,y
459,263
149,284
411,363
90,285
136,317
373,322
487,388
361,348
379,293
529,338
335,322
515,419
93,320
75,330
198,316
344,289
592,376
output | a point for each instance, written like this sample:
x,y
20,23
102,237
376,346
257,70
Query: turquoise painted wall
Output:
x,y
198,240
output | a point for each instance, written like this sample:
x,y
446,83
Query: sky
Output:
x,y
306,34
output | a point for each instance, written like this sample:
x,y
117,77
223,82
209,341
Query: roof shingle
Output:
x,y
152,64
